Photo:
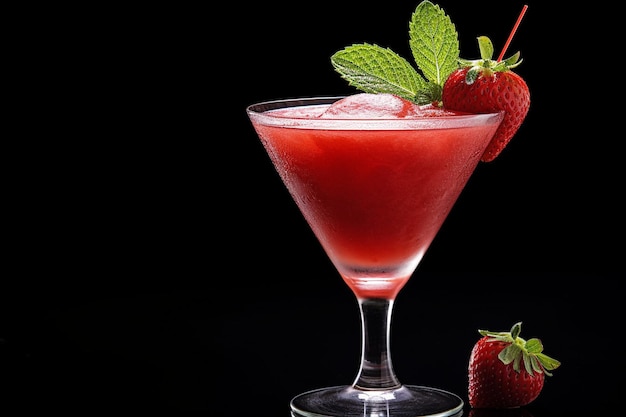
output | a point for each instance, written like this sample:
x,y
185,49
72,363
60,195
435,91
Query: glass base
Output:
x,y
406,401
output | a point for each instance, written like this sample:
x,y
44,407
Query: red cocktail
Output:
x,y
375,184
375,192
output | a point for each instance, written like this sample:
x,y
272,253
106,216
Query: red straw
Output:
x,y
508,41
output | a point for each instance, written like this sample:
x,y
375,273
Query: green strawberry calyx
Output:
x,y
520,350
486,65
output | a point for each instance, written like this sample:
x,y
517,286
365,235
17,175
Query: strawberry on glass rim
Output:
x,y
444,80
486,85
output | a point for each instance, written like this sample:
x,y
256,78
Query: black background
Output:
x,y
154,261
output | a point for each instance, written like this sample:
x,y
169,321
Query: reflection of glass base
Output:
x,y
406,401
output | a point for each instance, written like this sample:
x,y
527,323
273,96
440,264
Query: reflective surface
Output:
x,y
178,351
400,402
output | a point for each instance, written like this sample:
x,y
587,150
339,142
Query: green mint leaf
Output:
x,y
435,46
434,42
374,69
431,93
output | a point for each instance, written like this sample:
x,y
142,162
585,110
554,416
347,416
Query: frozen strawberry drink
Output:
x,y
375,177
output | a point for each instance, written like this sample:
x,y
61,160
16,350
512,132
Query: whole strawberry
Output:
x,y
506,371
484,86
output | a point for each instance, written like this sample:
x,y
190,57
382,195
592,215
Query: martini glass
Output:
x,y
375,192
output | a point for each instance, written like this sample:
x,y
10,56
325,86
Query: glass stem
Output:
x,y
376,370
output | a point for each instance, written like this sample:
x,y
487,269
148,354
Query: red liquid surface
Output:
x,y
375,199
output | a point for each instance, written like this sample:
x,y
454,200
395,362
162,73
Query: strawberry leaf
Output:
x,y
516,362
534,346
548,363
535,365
531,364
518,350
486,47
516,330
512,61
509,353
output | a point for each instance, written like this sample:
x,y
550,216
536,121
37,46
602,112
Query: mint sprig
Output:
x,y
374,69
434,42
435,47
